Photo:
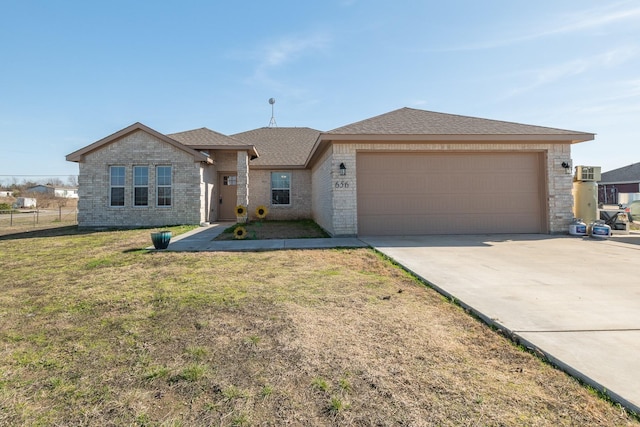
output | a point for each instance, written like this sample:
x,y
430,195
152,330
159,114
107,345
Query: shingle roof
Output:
x,y
629,173
280,146
410,121
203,137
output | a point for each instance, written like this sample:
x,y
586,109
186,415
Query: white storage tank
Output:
x,y
600,230
585,200
578,228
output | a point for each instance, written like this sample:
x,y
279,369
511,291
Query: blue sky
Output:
x,y
73,72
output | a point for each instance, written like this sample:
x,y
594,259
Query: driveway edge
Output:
x,y
517,339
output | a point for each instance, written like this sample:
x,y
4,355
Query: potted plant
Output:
x,y
161,239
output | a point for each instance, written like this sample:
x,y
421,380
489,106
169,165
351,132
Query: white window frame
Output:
x,y
164,186
122,186
137,185
280,188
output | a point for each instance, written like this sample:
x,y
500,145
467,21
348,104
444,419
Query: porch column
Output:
x,y
243,179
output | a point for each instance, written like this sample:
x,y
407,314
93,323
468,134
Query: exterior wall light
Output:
x,y
567,167
343,169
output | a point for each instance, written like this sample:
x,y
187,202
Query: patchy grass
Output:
x,y
97,331
264,230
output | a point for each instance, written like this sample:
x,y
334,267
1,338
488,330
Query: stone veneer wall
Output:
x,y
138,149
300,207
559,200
242,189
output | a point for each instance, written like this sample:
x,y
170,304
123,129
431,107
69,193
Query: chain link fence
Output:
x,y
37,218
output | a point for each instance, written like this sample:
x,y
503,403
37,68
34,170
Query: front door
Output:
x,y
228,196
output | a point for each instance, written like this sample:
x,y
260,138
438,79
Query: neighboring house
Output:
x,y
405,172
67,192
621,180
6,193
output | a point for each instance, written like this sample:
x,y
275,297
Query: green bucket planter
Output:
x,y
161,239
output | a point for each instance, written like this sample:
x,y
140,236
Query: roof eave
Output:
x,y
325,138
274,167
572,138
636,181
251,149
78,156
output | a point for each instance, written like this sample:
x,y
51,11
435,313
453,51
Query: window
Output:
x,y
280,188
116,183
140,186
230,180
163,185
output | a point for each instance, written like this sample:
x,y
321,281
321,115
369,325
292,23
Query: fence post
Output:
x,y
11,218
60,213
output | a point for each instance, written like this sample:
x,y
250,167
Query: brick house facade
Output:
x,y
518,183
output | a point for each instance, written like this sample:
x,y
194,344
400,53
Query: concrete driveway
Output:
x,y
577,300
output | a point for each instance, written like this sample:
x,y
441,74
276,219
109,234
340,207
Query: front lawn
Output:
x,y
95,330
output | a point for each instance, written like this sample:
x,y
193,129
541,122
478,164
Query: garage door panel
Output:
x,y
448,193
447,223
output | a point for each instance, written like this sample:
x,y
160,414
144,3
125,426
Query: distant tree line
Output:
x,y
20,185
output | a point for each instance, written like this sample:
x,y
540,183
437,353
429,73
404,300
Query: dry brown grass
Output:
x,y
97,331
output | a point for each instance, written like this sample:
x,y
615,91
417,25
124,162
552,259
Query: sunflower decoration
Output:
x,y
240,233
241,210
262,211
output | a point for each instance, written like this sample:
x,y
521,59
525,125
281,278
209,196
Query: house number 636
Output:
x,y
342,184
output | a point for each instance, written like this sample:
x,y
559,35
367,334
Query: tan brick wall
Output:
x,y
208,188
322,194
260,194
138,149
558,199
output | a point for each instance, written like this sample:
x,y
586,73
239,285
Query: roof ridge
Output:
x,y
437,123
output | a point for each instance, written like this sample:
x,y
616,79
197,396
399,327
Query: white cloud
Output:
x,y
595,18
544,76
284,51
290,48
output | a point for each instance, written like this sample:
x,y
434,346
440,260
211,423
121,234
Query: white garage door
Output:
x,y
450,193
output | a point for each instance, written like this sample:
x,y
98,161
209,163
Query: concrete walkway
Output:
x,y
202,239
576,300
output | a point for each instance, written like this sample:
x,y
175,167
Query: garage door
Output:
x,y
449,193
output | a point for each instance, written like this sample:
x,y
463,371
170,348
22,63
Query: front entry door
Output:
x,y
228,196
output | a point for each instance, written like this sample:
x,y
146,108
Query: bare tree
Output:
x,y
56,182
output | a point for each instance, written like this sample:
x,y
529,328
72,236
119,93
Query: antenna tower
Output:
x,y
272,122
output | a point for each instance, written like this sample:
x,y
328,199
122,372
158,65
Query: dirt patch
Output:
x,y
265,230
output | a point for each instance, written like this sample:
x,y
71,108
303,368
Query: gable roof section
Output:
x,y
413,122
207,139
77,156
413,125
280,147
622,175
